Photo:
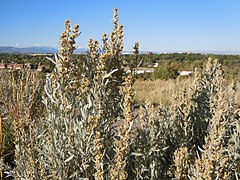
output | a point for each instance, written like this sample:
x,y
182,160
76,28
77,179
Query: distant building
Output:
x,y
149,53
141,71
185,73
10,66
155,65
14,66
18,66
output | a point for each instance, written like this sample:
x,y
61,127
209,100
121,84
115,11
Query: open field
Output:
x,y
163,91
159,91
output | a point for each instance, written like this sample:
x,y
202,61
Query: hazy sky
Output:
x,y
158,25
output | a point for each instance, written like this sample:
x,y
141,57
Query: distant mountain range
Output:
x,y
35,50
50,50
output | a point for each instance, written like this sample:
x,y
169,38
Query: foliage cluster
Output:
x,y
23,58
169,65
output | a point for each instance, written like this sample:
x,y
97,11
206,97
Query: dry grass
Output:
x,y
163,91
238,96
160,91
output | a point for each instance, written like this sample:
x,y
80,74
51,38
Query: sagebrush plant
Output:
x,y
1,147
21,107
209,157
24,93
82,124
85,101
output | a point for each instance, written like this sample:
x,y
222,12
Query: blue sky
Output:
x,y
158,25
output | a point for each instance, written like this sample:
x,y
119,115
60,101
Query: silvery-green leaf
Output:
x,y
109,74
69,159
137,154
